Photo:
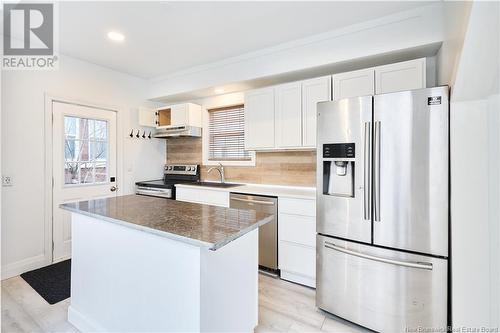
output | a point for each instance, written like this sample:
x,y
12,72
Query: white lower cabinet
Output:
x,y
203,196
297,263
296,231
297,240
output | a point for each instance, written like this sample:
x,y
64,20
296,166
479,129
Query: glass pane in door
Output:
x,y
85,150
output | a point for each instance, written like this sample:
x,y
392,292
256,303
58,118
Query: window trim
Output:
x,y
206,140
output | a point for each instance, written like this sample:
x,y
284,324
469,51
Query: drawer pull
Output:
x,y
420,265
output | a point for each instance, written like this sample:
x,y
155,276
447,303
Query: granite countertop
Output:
x,y
296,192
201,225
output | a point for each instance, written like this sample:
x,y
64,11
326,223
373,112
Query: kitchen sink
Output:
x,y
214,184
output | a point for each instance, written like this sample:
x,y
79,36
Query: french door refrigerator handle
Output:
x,y
367,172
420,265
376,172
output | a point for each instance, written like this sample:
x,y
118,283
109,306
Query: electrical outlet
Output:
x,y
6,181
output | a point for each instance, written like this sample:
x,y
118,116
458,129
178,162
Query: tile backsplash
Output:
x,y
277,168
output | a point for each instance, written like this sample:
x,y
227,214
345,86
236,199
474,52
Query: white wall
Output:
x,y
475,173
414,28
23,243
1,173
455,18
494,206
470,213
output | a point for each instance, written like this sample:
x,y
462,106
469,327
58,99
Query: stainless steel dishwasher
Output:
x,y
268,233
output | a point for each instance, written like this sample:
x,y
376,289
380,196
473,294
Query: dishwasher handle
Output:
x,y
259,202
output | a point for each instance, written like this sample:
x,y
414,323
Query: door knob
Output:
x,y
113,188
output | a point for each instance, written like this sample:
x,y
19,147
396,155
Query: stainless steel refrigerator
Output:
x,y
382,209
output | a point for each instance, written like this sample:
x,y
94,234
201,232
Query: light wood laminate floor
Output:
x,y
283,307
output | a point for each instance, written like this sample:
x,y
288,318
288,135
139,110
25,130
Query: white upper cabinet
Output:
x,y
147,117
180,114
288,99
187,114
284,116
313,91
407,75
259,119
290,108
352,84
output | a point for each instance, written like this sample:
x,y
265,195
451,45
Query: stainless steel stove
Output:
x,y
172,174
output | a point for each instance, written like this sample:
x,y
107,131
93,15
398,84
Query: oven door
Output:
x,y
154,192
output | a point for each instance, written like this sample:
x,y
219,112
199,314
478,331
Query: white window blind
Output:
x,y
226,131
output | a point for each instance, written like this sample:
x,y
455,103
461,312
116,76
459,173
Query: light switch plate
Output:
x,y
6,181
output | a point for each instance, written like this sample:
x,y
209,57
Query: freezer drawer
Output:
x,y
384,290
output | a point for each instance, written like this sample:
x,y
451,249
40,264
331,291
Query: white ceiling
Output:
x,y
165,37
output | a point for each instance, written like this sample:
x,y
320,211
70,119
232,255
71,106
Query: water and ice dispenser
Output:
x,y
338,169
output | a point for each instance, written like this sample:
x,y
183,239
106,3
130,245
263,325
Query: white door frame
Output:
x,y
48,151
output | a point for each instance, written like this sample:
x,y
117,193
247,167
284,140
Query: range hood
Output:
x,y
178,131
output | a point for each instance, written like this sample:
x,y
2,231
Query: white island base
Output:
x,y
128,280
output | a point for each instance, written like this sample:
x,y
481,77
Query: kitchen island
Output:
x,y
151,264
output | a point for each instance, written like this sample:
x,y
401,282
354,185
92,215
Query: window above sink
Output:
x,y
224,137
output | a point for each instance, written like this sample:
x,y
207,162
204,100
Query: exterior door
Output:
x,y
84,163
411,170
344,168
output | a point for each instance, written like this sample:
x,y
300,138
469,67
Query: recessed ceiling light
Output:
x,y
219,90
116,36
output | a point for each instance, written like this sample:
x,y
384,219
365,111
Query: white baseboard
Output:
x,y
66,257
81,323
298,278
24,265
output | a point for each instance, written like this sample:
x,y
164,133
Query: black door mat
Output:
x,y
52,282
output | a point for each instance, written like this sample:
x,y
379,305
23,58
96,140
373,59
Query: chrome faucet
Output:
x,y
220,168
